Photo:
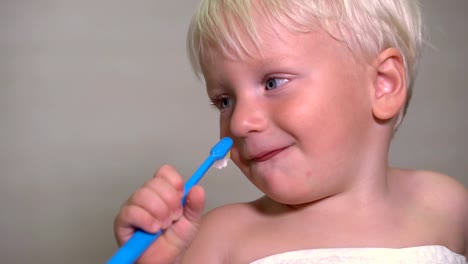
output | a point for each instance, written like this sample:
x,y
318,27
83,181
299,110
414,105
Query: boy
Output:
x,y
311,93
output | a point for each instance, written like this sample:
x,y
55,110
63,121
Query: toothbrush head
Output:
x,y
220,152
221,149
222,163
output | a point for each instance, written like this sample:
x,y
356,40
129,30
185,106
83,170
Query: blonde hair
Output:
x,y
367,27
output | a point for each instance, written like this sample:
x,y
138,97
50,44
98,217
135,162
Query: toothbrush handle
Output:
x,y
197,176
134,247
141,240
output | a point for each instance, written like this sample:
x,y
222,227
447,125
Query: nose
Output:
x,y
249,115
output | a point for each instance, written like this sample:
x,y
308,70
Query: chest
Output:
x,y
281,234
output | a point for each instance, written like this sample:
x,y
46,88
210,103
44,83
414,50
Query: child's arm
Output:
x,y
456,207
451,200
157,205
464,212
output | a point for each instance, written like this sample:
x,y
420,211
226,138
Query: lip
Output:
x,y
264,156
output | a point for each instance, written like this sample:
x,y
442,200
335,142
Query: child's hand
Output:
x,y
157,205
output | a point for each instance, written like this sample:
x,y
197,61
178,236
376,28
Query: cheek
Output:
x,y
224,130
240,163
325,122
235,155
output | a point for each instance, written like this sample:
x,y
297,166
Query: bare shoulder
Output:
x,y
442,197
220,229
229,219
438,190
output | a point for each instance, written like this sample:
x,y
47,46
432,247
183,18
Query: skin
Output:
x,y
311,125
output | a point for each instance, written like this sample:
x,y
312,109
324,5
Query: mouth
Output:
x,y
267,155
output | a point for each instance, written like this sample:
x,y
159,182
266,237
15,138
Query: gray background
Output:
x,y
95,95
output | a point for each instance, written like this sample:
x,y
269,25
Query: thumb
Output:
x,y
194,204
182,232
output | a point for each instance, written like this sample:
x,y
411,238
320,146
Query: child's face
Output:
x,y
298,114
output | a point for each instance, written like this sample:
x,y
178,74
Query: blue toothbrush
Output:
x,y
141,240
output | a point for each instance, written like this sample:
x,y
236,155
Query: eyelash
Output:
x,y
217,102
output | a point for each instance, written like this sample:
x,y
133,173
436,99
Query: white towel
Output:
x,y
413,255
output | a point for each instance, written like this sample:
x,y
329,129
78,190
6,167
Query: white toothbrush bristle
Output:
x,y
222,163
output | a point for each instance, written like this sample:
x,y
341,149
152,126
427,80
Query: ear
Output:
x,y
390,84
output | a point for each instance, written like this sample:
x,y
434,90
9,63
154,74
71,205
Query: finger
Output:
x,y
129,219
195,204
152,202
185,228
168,194
171,175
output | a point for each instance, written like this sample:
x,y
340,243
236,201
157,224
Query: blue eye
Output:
x,y
274,83
222,102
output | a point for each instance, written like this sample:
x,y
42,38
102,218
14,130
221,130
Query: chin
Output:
x,y
288,195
